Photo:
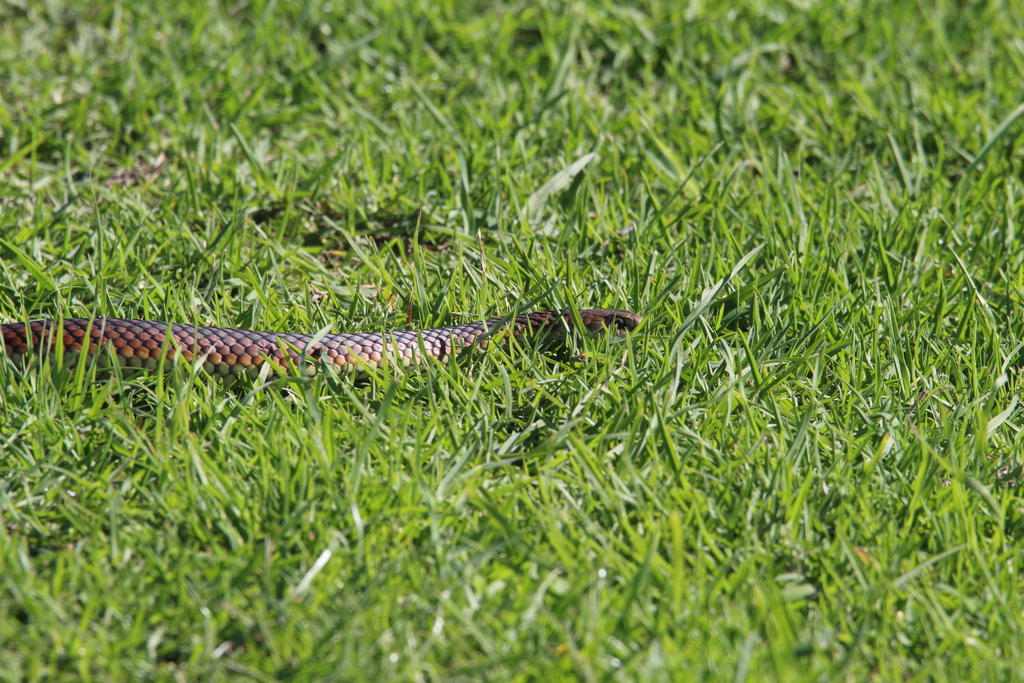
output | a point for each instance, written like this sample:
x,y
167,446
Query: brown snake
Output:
x,y
224,351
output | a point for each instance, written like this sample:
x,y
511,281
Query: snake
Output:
x,y
229,352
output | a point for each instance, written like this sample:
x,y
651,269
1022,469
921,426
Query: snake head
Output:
x,y
599,320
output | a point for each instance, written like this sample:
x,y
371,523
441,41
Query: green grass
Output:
x,y
804,466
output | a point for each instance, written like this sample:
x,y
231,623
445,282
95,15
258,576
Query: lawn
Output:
x,y
805,465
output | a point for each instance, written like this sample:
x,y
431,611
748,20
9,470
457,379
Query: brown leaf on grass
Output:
x,y
142,172
316,294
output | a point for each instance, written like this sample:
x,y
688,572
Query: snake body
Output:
x,y
226,352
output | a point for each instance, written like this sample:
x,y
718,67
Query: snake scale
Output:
x,y
225,351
